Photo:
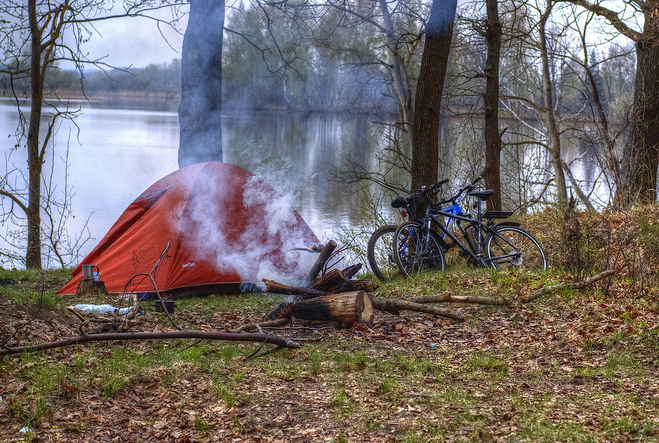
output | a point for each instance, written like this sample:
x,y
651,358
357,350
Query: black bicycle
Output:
x,y
417,247
381,243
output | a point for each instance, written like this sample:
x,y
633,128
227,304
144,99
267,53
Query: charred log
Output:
x,y
345,308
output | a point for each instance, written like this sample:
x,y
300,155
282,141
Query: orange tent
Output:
x,y
224,226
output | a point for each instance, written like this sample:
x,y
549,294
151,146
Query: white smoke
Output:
x,y
259,246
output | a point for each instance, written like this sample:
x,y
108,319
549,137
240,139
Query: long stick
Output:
x,y
448,298
184,333
280,288
577,285
392,305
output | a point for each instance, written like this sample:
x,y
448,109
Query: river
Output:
x,y
115,154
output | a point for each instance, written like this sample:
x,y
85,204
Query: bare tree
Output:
x,y
34,38
640,156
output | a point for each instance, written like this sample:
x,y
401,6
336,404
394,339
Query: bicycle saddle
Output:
x,y
483,195
399,202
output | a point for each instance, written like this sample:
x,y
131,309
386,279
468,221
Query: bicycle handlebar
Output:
x,y
401,202
468,188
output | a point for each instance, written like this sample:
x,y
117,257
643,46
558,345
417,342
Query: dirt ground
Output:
x,y
573,366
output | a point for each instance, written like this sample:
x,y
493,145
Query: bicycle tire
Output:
x,y
506,240
380,253
406,257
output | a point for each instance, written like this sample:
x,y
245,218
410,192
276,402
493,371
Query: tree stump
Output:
x,y
345,308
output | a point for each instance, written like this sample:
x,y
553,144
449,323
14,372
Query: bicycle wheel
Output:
x,y
380,253
409,253
510,247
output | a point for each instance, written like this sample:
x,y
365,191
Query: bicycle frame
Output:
x,y
480,226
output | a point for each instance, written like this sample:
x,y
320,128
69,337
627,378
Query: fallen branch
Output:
x,y
577,285
184,333
394,306
448,298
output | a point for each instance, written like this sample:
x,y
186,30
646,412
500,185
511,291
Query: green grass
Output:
x,y
258,302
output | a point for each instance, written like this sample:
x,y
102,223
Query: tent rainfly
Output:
x,y
224,226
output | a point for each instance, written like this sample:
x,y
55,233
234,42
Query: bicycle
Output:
x,y
418,248
379,251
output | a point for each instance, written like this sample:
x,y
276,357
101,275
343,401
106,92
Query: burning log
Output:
x,y
355,285
280,288
328,281
345,308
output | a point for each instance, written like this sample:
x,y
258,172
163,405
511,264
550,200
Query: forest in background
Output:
x,y
349,72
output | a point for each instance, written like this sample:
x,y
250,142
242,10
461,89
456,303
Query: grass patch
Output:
x,y
487,363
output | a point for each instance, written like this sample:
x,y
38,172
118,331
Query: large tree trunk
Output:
x,y
492,171
640,156
425,146
200,109
33,254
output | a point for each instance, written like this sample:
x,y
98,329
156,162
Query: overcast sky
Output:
x,y
135,41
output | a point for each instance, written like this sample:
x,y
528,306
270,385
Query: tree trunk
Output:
x,y
200,109
640,156
492,171
345,308
399,74
425,146
548,114
33,254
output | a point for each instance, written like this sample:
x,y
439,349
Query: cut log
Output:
x,y
328,281
345,308
280,288
355,285
394,306
325,254
351,271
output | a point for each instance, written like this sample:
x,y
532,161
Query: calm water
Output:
x,y
117,153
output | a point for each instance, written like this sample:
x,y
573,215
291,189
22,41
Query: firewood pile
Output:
x,y
336,297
